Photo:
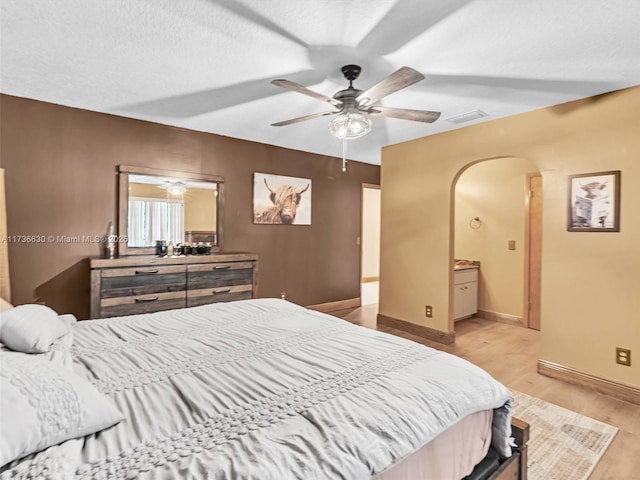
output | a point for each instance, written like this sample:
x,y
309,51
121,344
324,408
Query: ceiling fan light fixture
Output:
x,y
349,125
175,188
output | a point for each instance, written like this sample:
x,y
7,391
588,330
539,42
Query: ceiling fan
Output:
x,y
354,107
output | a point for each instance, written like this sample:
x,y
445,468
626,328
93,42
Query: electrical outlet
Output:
x,y
428,311
512,245
283,295
623,356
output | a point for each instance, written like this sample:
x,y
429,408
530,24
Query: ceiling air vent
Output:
x,y
467,117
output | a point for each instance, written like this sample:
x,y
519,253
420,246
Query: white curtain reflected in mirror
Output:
x,y
152,218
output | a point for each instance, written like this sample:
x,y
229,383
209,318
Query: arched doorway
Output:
x,y
497,222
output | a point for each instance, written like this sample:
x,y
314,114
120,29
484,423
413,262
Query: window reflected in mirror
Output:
x,y
171,210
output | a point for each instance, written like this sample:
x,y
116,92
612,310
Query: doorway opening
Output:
x,y
370,245
497,242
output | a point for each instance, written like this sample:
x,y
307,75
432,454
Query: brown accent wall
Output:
x,y
60,180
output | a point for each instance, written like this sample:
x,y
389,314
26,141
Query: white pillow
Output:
x,y
31,328
44,404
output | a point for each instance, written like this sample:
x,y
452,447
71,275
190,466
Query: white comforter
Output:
x,y
266,390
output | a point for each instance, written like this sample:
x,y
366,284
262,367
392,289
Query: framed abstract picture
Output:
x,y
594,202
280,200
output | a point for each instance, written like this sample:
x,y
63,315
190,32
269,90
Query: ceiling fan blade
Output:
x,y
385,37
302,119
205,101
398,80
296,87
405,114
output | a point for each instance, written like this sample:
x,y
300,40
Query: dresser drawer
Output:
x,y
130,282
216,275
138,284
219,294
147,303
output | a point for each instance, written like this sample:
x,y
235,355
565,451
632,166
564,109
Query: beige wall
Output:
x,y
200,210
494,191
590,281
370,232
146,191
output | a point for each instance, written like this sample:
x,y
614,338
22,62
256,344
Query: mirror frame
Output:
x,y
123,172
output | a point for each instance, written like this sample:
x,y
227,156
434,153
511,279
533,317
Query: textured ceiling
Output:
x,y
207,64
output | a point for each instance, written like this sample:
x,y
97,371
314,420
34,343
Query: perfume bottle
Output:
x,y
109,242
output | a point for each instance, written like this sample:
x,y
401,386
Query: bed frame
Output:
x,y
515,467
439,458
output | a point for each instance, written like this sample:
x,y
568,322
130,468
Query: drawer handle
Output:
x,y
145,300
146,272
222,267
217,292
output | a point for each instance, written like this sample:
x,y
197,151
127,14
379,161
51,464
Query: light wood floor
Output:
x,y
510,355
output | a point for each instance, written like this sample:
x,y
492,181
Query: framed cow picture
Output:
x,y
280,200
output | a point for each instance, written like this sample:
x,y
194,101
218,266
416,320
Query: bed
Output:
x,y
264,389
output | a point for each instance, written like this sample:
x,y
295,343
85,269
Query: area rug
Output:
x,y
563,445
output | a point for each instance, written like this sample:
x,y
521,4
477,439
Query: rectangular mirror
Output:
x,y
163,205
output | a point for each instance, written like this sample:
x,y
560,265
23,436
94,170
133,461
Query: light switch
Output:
x,y
512,244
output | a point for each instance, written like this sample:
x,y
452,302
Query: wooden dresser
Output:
x,y
143,284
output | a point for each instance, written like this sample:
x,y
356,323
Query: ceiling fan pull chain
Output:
x,y
344,154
